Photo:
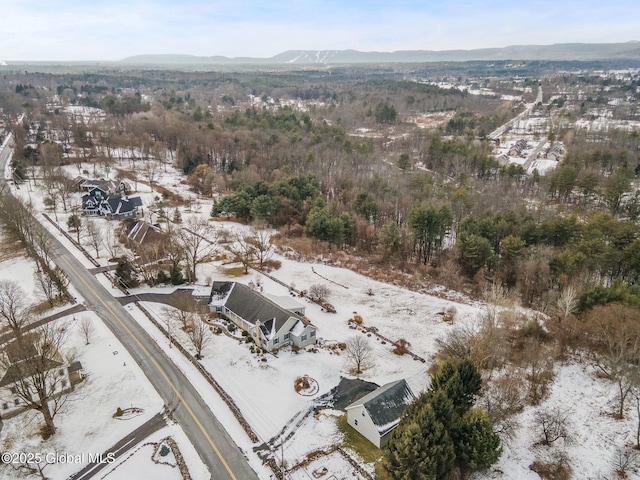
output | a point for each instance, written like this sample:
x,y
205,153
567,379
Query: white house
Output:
x,y
18,378
269,324
376,414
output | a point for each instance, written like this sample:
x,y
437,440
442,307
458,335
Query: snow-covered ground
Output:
x,y
86,424
264,393
594,434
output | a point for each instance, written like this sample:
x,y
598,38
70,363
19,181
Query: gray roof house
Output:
x,y
19,377
112,206
269,324
376,414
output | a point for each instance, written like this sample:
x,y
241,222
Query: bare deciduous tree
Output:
x,y
615,330
46,287
35,365
12,306
184,308
537,360
553,425
95,236
199,333
243,251
112,244
262,247
623,460
566,304
87,328
198,239
359,353
318,292
502,398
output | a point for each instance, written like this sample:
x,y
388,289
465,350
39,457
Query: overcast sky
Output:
x,y
115,29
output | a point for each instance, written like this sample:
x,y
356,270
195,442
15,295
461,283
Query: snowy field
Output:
x,y
263,390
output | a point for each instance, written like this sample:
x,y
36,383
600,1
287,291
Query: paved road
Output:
x,y
221,455
497,133
38,323
214,445
152,425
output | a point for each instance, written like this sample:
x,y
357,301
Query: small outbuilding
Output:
x,y
376,414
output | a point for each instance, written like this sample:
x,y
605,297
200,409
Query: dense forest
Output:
x,y
338,159
393,172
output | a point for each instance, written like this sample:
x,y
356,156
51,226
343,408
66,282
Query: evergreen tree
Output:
x,y
421,449
175,275
125,273
461,383
476,445
440,434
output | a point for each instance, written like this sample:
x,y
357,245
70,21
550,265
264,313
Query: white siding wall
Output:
x,y
364,425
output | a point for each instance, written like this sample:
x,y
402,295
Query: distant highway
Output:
x,y
213,444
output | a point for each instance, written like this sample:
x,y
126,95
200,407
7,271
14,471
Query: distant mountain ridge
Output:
x,y
559,52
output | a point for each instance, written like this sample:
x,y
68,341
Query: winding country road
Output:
x,y
214,445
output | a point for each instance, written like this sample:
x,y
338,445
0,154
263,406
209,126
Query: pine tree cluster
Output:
x,y
441,435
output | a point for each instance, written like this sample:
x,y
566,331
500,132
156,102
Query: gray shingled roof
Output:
x,y
26,368
142,232
386,404
252,306
120,205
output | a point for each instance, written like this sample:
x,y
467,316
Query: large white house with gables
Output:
x,y
269,324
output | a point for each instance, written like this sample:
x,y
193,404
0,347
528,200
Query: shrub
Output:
x,y
401,347
218,331
271,264
328,307
301,383
319,292
558,469
118,413
231,327
357,319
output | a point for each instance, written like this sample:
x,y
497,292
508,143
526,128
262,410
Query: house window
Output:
x,y
64,385
61,372
219,309
16,401
355,422
363,413
303,337
264,342
286,336
276,341
5,405
313,333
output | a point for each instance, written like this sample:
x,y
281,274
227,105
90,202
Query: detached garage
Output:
x,y
376,414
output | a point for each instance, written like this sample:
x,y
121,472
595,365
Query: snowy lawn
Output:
x,y
86,424
156,458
